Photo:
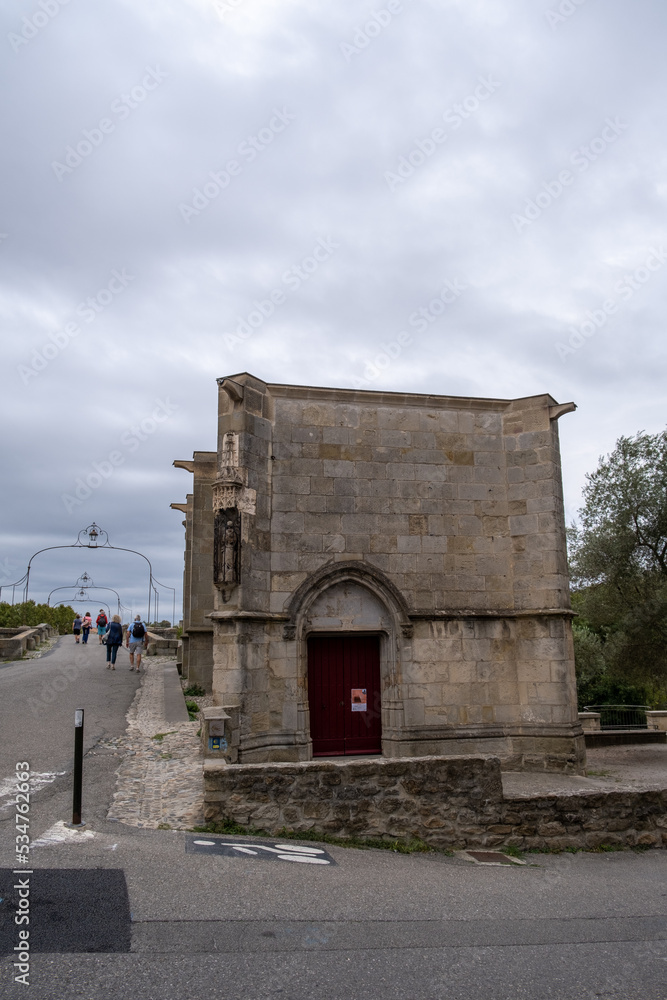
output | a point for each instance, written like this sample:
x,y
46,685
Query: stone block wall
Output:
x,y
198,589
458,501
446,802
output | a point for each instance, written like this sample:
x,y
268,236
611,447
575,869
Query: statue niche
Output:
x,y
226,547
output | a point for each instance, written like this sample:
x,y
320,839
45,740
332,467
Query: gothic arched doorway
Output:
x,y
344,694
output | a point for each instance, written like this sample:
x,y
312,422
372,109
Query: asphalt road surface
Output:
x,y
149,914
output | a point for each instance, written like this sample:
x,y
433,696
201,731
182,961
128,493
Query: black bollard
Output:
x,y
78,767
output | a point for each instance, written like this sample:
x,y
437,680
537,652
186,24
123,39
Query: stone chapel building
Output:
x,y
372,572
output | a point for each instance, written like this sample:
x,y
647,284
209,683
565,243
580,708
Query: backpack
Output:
x,y
101,620
138,630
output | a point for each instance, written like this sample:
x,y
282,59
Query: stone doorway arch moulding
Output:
x,y
339,572
394,630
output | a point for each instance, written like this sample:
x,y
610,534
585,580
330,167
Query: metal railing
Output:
x,y
621,716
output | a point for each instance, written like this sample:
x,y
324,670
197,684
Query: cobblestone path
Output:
x,y
159,782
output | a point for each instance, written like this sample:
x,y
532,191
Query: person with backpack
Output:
x,y
114,641
101,621
137,639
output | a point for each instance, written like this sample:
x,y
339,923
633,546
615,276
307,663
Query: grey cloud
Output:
x,y
323,175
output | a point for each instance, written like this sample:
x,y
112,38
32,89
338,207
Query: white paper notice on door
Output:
x,y
359,702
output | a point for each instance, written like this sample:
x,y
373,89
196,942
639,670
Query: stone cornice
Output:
x,y
464,613
234,386
458,615
248,616
369,396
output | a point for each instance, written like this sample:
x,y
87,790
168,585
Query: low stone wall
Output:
x,y
445,801
14,642
589,819
657,720
162,642
590,721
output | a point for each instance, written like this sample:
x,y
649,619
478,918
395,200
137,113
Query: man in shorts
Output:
x,y
101,621
76,627
137,640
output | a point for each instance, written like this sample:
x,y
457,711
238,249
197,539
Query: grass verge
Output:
x,y
411,846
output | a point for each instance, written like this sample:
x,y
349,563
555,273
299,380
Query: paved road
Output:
x,y
37,702
132,912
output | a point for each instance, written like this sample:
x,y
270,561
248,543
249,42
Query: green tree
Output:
x,y
29,613
618,567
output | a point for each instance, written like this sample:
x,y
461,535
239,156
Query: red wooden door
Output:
x,y
344,695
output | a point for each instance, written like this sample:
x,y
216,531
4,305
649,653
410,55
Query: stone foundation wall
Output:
x,y
445,801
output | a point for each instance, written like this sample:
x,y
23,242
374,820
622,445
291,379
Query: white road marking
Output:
x,y
299,850
285,852
307,859
38,780
61,834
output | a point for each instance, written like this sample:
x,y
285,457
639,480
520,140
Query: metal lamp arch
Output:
x,y
93,533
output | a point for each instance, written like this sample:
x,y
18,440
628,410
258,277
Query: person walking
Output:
x,y
86,626
137,639
101,621
76,627
114,641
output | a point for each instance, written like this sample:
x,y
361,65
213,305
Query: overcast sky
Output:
x,y
463,197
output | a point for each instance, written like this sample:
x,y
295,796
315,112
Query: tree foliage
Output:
x,y
623,534
29,613
618,568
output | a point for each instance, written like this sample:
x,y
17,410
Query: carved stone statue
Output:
x,y
227,546
229,571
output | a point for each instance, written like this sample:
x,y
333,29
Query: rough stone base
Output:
x,y
444,801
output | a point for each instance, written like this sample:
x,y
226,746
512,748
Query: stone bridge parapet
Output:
x,y
15,642
162,642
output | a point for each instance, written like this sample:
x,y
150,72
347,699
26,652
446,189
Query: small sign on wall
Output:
x,y
217,743
359,700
